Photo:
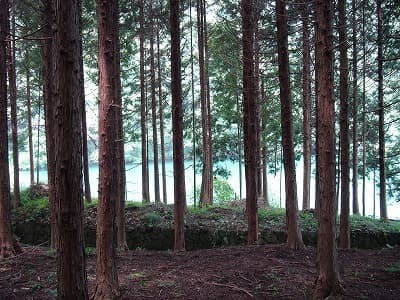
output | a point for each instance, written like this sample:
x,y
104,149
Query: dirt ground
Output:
x,y
257,272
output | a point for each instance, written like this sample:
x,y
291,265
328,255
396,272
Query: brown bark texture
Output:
x,y
71,271
12,79
143,106
306,86
294,239
356,209
344,236
8,245
327,282
206,193
250,120
177,128
107,278
49,100
29,117
157,197
381,116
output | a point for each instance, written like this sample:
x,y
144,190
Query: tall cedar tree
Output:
x,y
344,236
356,209
154,107
206,193
12,79
250,119
177,127
120,151
161,110
49,99
381,116
327,282
8,245
294,239
306,85
143,105
107,278
71,272
29,117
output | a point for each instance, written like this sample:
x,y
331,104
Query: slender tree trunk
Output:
x,y
381,116
250,119
71,271
264,148
161,109
294,239
13,103
8,245
143,111
49,100
344,236
239,136
356,209
29,117
306,78
364,157
154,108
177,127
327,282
193,105
120,141
85,154
206,183
107,277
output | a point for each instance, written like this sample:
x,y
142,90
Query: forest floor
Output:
x,y
256,272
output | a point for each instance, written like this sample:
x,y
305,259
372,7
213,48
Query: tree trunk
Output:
x,y
71,271
107,277
49,100
29,117
120,151
327,282
206,197
294,239
8,245
264,148
250,119
161,110
381,116
193,105
13,103
306,76
344,236
356,209
143,111
364,157
154,108
177,128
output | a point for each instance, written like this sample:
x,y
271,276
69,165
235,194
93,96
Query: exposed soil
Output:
x,y
257,272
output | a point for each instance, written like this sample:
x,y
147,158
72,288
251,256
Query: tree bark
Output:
x,y
71,271
13,104
49,95
143,111
250,119
364,157
294,239
206,197
161,110
8,245
381,116
327,282
264,148
193,106
177,128
154,108
306,82
29,117
344,236
356,209
107,277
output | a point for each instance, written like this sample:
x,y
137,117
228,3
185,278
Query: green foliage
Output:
x,y
152,218
223,192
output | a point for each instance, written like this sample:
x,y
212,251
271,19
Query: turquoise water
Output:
x,y
276,188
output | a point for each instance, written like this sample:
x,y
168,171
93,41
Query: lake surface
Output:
x,y
276,188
